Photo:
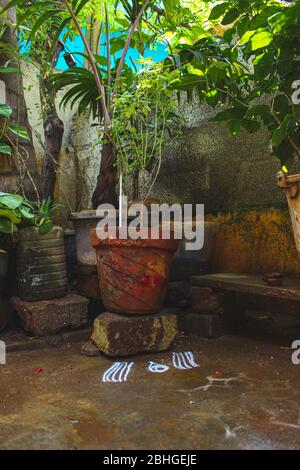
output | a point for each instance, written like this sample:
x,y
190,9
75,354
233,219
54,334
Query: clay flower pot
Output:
x,y
133,274
273,279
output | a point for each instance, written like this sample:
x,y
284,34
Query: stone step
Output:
x,y
125,335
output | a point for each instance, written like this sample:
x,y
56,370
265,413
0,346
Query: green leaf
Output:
x,y
218,11
212,97
5,110
12,201
251,125
171,5
41,20
259,40
45,226
278,135
217,71
11,4
11,215
281,105
234,126
258,110
9,70
19,131
246,37
5,149
222,116
6,226
26,212
261,20
231,16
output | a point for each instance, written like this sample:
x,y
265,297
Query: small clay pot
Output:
x,y
273,279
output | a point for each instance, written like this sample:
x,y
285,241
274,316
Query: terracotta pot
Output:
x,y
290,185
133,274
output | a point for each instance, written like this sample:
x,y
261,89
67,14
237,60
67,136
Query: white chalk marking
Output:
x,y
157,368
118,372
184,360
192,362
187,366
107,374
128,370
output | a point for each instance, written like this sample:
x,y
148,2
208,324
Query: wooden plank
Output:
x,y
249,284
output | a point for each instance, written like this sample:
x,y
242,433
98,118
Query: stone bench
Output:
x,y
235,293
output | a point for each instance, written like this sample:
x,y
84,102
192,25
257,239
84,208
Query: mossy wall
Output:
x,y
235,177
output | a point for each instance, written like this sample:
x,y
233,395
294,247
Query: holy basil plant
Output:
x,y
248,67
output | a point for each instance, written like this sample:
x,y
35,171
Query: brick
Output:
x,y
47,317
178,293
206,326
88,286
121,335
205,300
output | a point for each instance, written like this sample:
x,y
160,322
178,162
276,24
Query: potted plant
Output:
x,y
133,274
13,209
41,263
138,24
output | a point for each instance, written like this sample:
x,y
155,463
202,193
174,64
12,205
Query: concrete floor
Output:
x,y
66,406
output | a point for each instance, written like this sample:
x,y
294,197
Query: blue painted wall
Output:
x,y
157,53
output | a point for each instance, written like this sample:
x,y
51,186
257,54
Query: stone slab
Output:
x,y
51,316
124,335
249,284
21,341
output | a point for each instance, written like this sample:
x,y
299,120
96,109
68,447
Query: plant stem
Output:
x,y
98,80
126,47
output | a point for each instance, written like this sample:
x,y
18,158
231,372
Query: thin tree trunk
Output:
x,y
105,192
25,178
53,132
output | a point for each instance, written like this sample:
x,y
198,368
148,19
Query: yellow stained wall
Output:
x,y
255,242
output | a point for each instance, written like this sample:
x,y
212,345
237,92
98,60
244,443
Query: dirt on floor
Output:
x,y
245,394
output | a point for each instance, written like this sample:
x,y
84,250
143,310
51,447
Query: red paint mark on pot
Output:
x,y
145,280
155,281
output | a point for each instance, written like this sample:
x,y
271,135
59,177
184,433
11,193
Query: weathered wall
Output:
x,y
223,172
235,177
